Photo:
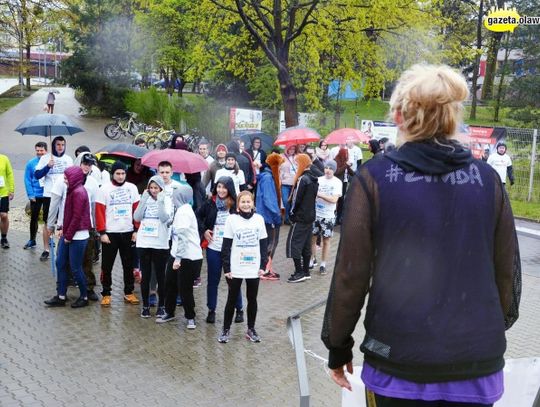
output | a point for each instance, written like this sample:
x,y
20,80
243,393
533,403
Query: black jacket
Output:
x,y
207,213
303,197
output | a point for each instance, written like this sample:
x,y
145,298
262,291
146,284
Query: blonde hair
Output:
x,y
429,98
241,194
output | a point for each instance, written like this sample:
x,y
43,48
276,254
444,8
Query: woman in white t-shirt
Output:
x,y
244,256
154,212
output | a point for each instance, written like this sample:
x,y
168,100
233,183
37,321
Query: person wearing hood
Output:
x,y
428,232
302,216
115,204
268,204
86,161
502,163
232,170
185,260
375,148
244,255
211,219
50,168
34,192
154,214
74,237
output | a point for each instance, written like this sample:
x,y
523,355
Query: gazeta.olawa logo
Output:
x,y
507,19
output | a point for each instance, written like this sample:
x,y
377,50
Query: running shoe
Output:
x,y
106,301
92,296
31,244
5,244
44,256
322,270
145,312
251,334
81,302
165,318
211,317
191,324
160,312
271,276
224,337
56,301
197,283
297,278
239,318
131,299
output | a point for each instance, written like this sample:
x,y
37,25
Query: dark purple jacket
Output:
x,y
77,207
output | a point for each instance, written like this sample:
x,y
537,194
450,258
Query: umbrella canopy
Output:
x,y
181,160
123,150
297,135
266,140
48,125
342,136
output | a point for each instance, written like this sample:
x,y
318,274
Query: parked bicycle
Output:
x,y
124,126
156,138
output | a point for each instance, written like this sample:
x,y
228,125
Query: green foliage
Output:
x,y
528,210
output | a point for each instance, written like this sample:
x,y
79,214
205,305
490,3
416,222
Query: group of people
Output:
x,y
426,230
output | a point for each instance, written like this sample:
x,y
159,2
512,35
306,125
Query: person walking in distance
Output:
x,y
502,163
115,205
436,314
34,192
51,167
185,259
155,213
7,192
328,193
244,255
74,237
50,102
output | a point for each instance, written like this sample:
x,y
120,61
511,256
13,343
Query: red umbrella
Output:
x,y
297,135
342,136
181,160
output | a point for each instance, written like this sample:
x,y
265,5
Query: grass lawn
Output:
x,y
529,210
13,97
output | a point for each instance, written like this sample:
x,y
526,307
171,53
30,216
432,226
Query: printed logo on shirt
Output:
x,y
457,177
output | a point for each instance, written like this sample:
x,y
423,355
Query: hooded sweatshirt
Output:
x,y
186,243
304,191
267,201
155,216
51,174
77,206
428,231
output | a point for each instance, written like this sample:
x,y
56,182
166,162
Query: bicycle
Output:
x,y
123,126
156,138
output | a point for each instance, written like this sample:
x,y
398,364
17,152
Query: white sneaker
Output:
x,y
191,324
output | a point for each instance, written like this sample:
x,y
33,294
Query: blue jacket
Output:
x,y
31,183
267,201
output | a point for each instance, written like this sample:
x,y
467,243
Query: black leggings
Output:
x,y
153,260
376,400
252,288
181,280
35,207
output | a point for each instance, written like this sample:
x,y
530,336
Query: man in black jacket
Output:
x,y
302,216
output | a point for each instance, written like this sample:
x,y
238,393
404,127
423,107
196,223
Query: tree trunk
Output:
x,y
337,107
27,67
476,66
500,88
288,96
491,65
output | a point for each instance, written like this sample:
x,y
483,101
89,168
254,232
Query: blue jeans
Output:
x,y
285,192
213,259
74,254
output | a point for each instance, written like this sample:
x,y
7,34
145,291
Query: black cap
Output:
x,y
118,165
89,159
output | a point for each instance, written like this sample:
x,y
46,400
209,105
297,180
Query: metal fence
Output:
x,y
524,149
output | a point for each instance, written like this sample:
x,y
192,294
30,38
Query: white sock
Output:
x,y
323,264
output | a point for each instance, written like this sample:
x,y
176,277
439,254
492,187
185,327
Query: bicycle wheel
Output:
x,y
154,143
112,131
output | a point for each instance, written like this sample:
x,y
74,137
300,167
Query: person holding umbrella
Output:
x,y
50,168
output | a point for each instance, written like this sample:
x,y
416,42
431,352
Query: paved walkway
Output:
x,y
95,356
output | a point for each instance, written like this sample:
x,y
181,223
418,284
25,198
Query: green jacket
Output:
x,y
7,181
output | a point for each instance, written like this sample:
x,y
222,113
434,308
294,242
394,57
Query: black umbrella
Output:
x,y
267,141
123,150
48,125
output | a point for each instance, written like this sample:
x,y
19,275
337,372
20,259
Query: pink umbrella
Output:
x,y
181,160
297,135
342,136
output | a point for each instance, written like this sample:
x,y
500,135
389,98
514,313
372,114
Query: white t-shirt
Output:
x,y
500,163
186,243
170,187
57,171
153,233
238,179
118,203
355,154
332,186
245,251
59,188
219,230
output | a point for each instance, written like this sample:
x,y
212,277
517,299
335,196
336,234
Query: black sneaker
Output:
x,y
92,296
145,313
308,275
224,337
31,244
44,256
211,318
56,301
165,318
81,302
160,312
251,334
4,243
322,270
239,318
297,278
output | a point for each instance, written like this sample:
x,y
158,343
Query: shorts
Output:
x,y
4,204
324,227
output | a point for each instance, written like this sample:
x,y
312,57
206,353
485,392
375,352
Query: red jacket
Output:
x,y
77,207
